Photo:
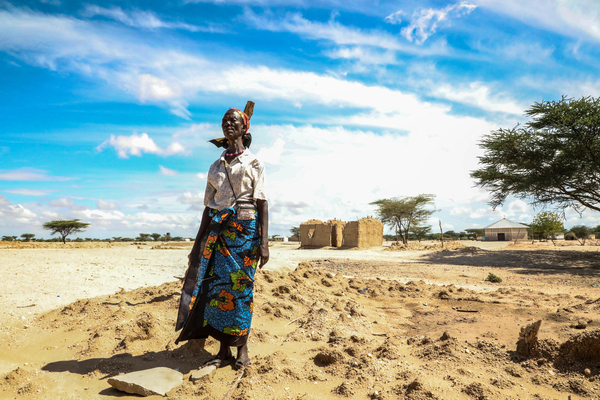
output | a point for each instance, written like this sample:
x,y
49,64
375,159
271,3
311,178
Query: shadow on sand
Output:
x,y
524,262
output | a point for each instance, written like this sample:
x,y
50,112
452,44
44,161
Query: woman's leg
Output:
x,y
224,352
242,356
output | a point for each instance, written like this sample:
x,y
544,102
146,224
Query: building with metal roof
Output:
x,y
505,230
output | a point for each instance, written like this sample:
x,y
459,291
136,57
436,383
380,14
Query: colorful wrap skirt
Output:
x,y
217,296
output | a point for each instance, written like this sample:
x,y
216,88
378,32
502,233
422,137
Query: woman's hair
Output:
x,y
247,140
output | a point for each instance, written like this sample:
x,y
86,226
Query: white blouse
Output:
x,y
247,176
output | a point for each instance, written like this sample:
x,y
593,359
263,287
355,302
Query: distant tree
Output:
x,y
177,238
402,213
167,237
547,223
117,238
9,238
552,160
581,233
144,237
420,231
156,236
474,233
28,236
450,235
65,227
295,231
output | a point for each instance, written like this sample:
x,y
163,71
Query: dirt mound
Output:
x,y
316,335
415,246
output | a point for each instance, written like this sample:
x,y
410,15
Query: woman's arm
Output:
x,y
194,256
263,219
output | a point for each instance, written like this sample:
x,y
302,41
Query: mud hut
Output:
x,y
366,232
505,230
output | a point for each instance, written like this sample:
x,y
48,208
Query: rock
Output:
x,y
203,373
587,372
155,381
581,324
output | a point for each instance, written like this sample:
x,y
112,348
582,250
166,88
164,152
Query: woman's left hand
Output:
x,y
263,254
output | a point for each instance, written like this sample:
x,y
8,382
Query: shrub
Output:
x,y
493,278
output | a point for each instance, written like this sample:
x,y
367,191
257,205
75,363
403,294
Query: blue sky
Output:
x,y
106,107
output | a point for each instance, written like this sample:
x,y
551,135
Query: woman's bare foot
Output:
x,y
242,357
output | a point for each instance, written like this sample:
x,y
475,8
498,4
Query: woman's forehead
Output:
x,y
231,113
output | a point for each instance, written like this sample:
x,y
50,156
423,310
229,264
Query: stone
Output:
x,y
587,372
149,382
203,373
581,324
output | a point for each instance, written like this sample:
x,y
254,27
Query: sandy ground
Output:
x,y
367,323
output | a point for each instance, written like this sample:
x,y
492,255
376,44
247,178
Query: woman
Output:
x,y
217,295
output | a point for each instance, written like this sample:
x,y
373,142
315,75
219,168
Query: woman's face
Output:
x,y
232,125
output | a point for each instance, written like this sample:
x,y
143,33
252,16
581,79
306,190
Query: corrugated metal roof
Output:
x,y
504,223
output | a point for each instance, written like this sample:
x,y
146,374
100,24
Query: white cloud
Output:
x,y
426,21
195,201
30,174
135,145
4,201
336,33
28,192
100,215
271,154
517,206
485,96
167,171
478,94
459,211
14,213
573,18
170,76
141,19
395,17
201,175
365,55
106,205
338,172
62,202
17,211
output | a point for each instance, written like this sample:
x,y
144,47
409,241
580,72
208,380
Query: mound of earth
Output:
x,y
316,335
412,246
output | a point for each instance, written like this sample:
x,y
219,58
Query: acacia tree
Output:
x,y
552,160
547,223
581,233
156,236
28,236
65,227
420,231
144,237
295,231
402,213
475,232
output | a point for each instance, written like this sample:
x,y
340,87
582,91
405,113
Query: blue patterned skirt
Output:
x,y
217,296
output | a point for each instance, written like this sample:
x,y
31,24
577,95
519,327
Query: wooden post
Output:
x,y
249,109
442,231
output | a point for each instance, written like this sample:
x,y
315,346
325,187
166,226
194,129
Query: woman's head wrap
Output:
x,y
246,139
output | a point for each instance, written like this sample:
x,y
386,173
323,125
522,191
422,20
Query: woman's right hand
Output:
x,y
189,264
